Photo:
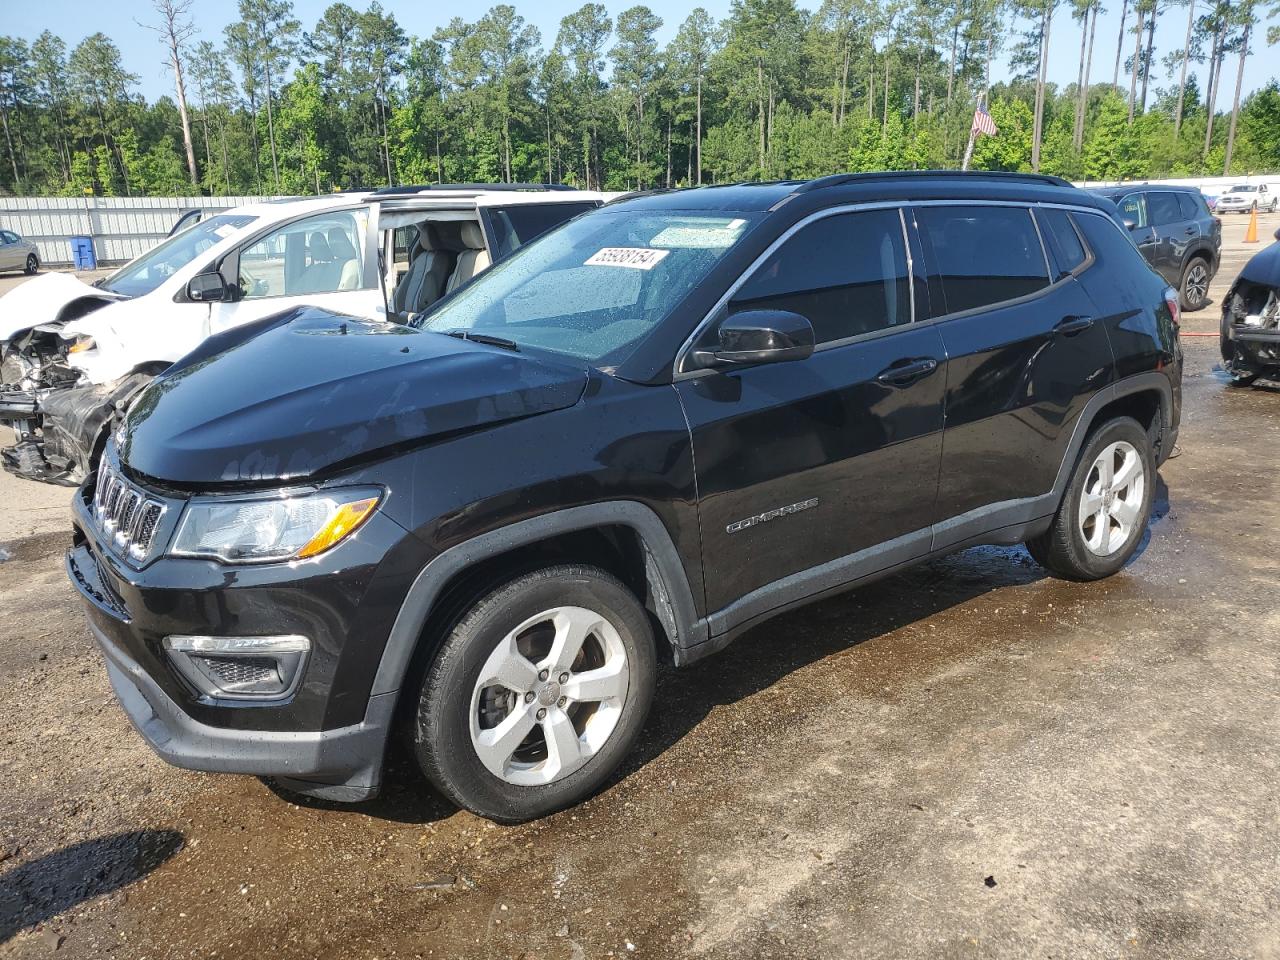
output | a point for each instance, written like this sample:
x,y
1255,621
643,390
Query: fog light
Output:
x,y
240,668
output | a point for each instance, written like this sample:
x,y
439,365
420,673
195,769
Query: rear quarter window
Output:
x,y
983,255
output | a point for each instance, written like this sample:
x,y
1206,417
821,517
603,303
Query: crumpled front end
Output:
x,y
1251,329
61,432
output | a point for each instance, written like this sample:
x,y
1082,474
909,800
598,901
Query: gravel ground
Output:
x,y
966,760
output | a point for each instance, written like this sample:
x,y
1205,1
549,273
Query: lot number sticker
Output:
x,y
638,258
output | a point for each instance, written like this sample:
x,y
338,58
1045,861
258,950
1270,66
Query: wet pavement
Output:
x,y
965,760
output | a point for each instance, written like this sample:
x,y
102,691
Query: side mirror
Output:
x,y
760,336
207,288
1277,234
1130,223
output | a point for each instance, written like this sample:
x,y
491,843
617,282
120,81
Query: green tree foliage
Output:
x,y
775,90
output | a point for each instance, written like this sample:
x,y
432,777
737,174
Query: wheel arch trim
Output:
x,y
669,581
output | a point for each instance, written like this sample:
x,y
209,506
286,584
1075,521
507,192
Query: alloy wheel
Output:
x,y
549,696
1112,497
1197,283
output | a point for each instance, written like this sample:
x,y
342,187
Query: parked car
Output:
x,y
73,355
655,427
1247,197
1250,334
1176,234
17,253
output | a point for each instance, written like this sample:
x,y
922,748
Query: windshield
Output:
x,y
594,288
141,276
1243,190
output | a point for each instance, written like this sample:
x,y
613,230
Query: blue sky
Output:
x,y
75,19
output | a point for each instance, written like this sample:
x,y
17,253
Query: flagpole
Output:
x,y
973,134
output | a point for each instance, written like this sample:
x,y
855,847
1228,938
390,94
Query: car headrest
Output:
x,y
319,247
340,244
472,237
426,239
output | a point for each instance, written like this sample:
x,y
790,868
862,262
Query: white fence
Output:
x,y
121,227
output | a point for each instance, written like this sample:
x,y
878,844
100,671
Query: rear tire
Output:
x,y
516,719
1193,290
33,264
1105,508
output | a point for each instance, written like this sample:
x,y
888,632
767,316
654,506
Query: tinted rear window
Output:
x,y
1187,204
1163,207
516,225
984,255
1068,249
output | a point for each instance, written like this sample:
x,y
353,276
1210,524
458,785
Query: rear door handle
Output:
x,y
906,371
1070,326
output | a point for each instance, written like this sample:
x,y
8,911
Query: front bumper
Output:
x,y
327,740
1256,346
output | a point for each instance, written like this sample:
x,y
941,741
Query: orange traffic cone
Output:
x,y
1251,235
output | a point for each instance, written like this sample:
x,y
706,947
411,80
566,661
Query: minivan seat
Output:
x,y
473,259
322,273
423,283
344,254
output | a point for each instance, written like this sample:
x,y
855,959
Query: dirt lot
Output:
x,y
967,760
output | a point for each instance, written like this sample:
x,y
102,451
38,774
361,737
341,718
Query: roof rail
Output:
x,y
837,179
410,189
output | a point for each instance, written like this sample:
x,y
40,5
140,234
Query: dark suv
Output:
x,y
655,427
1176,233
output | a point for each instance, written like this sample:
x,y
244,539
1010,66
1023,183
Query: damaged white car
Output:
x,y
73,356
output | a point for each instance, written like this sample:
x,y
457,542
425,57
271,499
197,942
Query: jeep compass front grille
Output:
x,y
125,516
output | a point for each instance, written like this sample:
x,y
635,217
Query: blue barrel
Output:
x,y
82,254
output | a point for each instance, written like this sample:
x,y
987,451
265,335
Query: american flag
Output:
x,y
982,123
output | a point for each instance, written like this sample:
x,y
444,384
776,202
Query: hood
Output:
x,y
1263,268
44,299
309,390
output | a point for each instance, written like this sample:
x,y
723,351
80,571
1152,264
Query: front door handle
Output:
x,y
906,371
1070,326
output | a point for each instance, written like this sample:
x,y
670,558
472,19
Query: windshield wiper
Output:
x,y
485,338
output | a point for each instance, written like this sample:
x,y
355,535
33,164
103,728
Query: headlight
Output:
x,y
260,530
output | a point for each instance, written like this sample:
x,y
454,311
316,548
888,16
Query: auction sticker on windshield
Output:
x,y
638,258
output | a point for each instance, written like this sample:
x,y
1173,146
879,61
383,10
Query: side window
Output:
x,y
1163,208
517,224
1061,233
8,237
846,273
984,255
1187,205
1133,207
322,254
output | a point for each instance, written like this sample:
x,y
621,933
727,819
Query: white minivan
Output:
x,y
72,354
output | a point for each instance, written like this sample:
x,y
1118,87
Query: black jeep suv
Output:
x,y
653,428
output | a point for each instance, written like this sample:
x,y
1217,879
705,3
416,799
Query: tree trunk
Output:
x,y
1137,64
1235,103
760,110
1215,79
699,136
180,87
1088,69
1084,42
1182,79
1124,17
884,117
8,139
271,126
1037,133
844,85
1151,42
951,70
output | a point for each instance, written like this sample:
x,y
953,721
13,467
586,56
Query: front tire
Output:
x,y
1193,290
537,694
33,264
1105,508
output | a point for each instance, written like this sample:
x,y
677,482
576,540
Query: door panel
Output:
x,y
825,430
1174,234
1019,372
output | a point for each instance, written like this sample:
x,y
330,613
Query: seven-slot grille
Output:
x,y
125,515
